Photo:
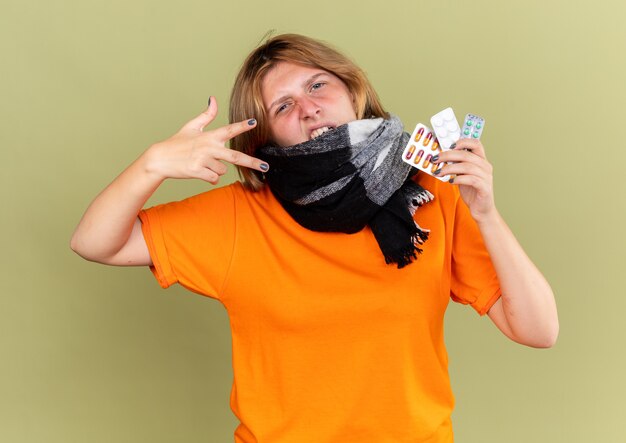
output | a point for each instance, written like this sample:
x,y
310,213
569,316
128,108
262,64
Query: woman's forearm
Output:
x,y
108,221
527,302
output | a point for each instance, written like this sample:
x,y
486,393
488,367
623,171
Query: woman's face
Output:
x,y
303,102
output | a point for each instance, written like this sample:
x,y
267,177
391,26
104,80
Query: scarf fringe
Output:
x,y
420,236
405,256
422,198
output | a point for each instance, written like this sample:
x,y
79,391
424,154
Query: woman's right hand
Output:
x,y
194,153
110,232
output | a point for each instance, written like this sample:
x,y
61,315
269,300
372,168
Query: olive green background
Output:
x,y
90,353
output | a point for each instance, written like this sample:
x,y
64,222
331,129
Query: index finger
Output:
x,y
227,132
472,145
241,159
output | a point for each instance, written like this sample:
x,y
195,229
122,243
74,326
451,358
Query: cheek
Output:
x,y
286,131
350,105
350,109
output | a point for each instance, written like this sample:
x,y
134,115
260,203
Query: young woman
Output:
x,y
334,260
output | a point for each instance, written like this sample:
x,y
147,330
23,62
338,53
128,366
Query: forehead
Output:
x,y
285,77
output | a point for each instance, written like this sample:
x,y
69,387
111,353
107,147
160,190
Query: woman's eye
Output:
x,y
281,108
317,85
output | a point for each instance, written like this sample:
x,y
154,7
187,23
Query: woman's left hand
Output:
x,y
474,176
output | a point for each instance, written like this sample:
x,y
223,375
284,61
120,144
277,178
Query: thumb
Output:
x,y
198,123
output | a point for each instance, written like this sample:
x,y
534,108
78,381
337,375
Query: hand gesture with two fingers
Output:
x,y
195,153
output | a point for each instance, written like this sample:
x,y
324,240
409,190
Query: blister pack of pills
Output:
x,y
420,150
425,143
473,126
446,127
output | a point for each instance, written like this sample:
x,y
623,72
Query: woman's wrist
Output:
x,y
149,165
488,219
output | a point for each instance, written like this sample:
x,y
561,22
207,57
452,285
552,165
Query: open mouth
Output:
x,y
319,131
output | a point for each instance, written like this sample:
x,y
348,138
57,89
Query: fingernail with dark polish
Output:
x,y
437,172
252,122
435,158
453,145
264,167
451,180
209,102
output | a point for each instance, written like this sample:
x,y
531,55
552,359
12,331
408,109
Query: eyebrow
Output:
x,y
304,84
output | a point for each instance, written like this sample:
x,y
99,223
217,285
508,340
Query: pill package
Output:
x,y
446,127
425,143
473,126
420,150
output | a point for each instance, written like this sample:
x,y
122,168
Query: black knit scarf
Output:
x,y
350,177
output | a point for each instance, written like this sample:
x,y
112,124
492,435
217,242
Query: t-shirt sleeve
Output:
x,y
191,241
474,280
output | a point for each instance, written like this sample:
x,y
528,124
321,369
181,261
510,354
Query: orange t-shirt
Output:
x,y
330,344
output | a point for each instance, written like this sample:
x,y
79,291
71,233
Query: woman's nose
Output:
x,y
308,107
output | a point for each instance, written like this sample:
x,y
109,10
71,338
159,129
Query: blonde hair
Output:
x,y
246,100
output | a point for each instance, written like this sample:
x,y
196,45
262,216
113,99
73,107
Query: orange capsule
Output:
x,y
436,146
419,134
410,152
419,156
428,138
426,163
434,168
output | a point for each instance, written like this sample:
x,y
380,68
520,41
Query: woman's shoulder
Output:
x,y
215,196
232,193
